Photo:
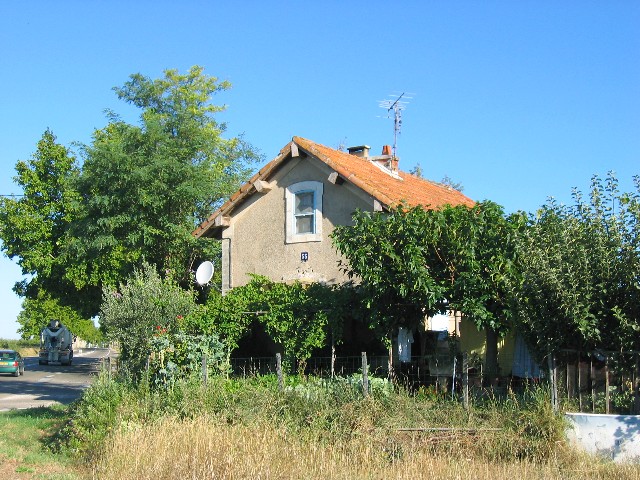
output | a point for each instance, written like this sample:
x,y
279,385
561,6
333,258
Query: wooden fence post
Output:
x,y
606,385
279,372
579,381
568,378
333,359
453,377
365,375
551,361
392,367
636,386
593,385
205,372
465,380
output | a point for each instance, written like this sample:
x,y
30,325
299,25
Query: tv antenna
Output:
x,y
397,105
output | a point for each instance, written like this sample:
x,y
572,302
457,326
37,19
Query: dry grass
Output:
x,y
207,448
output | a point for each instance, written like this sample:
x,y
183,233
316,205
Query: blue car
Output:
x,y
11,362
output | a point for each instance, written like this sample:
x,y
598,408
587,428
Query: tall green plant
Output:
x,y
411,261
580,266
138,194
145,187
176,355
33,230
392,259
141,306
298,317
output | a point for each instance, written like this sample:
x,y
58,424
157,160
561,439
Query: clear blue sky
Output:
x,y
518,101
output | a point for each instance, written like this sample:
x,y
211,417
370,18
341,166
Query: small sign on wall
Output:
x,y
304,256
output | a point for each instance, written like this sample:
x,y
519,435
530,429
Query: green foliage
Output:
x,y
131,315
179,355
23,433
298,317
391,257
332,411
537,429
145,188
342,387
94,416
579,267
140,192
33,229
411,260
33,225
231,315
21,345
292,319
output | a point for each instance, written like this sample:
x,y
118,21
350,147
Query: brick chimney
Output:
x,y
393,161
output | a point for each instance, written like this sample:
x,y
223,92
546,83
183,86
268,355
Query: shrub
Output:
x,y
131,315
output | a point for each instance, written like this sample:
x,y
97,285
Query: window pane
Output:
x,y
304,224
304,203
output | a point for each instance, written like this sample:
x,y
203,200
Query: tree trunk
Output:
x,y
491,360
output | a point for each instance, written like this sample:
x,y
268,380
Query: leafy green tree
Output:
x,y
142,306
300,318
293,319
140,192
478,248
33,228
410,262
392,258
144,188
580,286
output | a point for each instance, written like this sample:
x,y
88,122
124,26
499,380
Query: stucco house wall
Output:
x,y
255,241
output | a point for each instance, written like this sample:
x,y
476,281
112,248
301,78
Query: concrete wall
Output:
x,y
614,437
255,241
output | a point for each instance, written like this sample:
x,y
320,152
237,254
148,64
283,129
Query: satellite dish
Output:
x,y
204,273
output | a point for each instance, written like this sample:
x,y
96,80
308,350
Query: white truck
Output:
x,y
56,344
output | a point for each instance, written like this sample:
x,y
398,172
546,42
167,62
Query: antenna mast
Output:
x,y
397,106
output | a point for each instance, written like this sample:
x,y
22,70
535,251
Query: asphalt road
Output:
x,y
44,385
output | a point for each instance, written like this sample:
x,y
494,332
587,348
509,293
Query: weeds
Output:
x,y
315,429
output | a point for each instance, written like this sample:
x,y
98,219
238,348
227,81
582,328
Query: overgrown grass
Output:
x,y
23,436
203,448
317,429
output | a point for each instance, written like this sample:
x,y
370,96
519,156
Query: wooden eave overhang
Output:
x,y
213,225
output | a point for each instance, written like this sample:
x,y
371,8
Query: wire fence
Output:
x,y
420,368
588,382
595,382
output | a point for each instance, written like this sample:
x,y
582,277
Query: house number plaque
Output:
x,y
304,256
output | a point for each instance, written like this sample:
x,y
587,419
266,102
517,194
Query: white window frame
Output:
x,y
317,189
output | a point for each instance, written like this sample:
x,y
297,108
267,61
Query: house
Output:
x,y
278,223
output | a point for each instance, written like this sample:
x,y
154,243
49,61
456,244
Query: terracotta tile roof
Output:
x,y
389,190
